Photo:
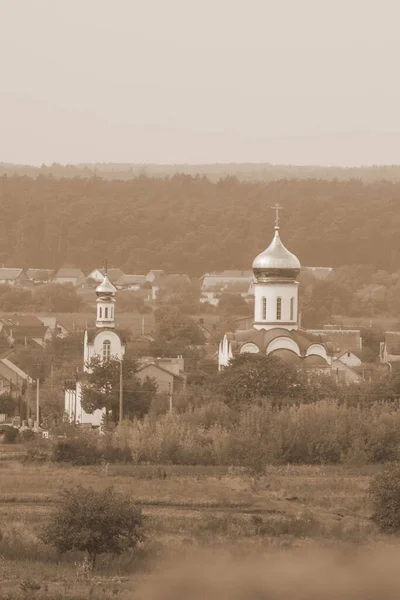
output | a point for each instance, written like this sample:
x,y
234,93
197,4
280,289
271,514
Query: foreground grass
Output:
x,y
187,509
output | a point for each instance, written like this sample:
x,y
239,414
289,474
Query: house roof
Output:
x,y
130,279
9,273
113,274
22,321
5,363
69,273
181,376
38,273
342,339
20,332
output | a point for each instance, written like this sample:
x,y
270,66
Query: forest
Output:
x,y
189,224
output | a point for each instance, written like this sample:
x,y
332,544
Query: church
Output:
x,y
104,341
276,328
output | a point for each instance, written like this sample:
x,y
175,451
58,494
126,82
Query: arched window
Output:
x,y
106,350
291,309
106,312
264,309
279,308
100,312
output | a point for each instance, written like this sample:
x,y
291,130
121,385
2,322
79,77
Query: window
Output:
x,y
100,312
106,312
291,309
279,309
264,309
106,350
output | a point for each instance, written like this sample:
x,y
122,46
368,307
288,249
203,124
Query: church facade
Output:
x,y
275,329
103,341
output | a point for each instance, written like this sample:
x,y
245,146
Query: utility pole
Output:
x,y
28,394
121,394
37,401
170,396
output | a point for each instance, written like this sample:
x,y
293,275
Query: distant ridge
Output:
x,y
242,171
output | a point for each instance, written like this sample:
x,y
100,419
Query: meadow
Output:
x,y
191,512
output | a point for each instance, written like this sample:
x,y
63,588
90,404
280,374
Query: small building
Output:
x,y
168,373
130,282
12,378
233,282
318,272
155,275
56,328
11,276
25,330
38,276
69,275
97,275
390,351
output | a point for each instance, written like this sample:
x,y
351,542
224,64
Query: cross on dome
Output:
x,y
277,208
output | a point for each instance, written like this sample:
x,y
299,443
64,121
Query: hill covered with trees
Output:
x,y
192,225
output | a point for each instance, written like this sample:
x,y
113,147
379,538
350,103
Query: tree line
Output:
x,y
189,224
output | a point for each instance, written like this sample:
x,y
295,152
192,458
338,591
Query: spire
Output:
x,y
277,208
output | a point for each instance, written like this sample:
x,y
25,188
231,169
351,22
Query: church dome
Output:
x,y
105,288
276,262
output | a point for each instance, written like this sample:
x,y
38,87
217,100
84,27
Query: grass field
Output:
x,y
187,509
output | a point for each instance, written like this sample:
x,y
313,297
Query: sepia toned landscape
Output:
x,y
199,300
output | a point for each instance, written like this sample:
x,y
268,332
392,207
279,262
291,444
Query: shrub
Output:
x,y
94,521
384,493
10,434
80,450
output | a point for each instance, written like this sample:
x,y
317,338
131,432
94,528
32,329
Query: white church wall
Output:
x,y
285,291
117,350
74,411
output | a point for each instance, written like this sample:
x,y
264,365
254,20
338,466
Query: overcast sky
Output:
x,y
200,81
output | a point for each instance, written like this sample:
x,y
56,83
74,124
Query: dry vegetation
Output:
x,y
190,510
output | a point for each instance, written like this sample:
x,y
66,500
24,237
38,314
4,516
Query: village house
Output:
x,y
233,282
70,275
168,373
25,330
12,378
130,282
390,351
38,276
56,328
11,276
97,275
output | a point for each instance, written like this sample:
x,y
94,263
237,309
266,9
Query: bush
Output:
x,y
80,450
10,434
384,493
94,521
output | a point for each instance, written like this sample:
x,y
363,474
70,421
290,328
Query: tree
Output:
x,y
233,304
101,388
251,376
94,521
384,494
57,297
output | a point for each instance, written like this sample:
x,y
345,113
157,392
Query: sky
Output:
x,y
200,81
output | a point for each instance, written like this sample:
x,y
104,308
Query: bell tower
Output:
x,y
275,287
105,293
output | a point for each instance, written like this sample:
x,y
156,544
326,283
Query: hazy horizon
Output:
x,y
211,82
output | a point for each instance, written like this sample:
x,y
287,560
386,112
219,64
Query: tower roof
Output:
x,y
276,261
105,288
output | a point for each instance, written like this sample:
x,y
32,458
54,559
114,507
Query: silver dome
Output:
x,y
276,261
105,288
